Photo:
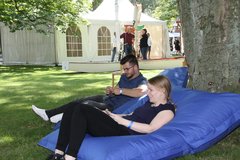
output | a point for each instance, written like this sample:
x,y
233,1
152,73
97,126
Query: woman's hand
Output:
x,y
115,117
106,111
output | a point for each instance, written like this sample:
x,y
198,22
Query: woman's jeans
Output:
x,y
144,52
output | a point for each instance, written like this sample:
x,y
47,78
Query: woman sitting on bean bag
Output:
x,y
79,121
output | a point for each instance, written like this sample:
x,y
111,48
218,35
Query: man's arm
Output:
x,y
134,92
122,35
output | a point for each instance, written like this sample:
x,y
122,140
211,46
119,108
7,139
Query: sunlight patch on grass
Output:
x,y
6,139
95,85
150,73
15,84
2,101
60,95
59,84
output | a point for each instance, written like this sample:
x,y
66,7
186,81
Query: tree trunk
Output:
x,y
211,32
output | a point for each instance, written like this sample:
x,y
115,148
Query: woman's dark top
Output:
x,y
143,41
146,113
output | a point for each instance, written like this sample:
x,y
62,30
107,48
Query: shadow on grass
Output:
x,y
47,87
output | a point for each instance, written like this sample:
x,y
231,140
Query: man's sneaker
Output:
x,y
40,112
56,118
55,156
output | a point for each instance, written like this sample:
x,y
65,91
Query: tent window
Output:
x,y
74,42
104,42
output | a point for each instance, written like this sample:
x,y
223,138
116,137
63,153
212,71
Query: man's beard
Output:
x,y
130,77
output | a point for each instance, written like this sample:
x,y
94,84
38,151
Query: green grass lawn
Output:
x,y
48,87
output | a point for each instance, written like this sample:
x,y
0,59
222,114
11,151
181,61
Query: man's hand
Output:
x,y
116,91
109,90
113,90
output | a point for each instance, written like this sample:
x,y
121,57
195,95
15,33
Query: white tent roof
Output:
x,y
106,12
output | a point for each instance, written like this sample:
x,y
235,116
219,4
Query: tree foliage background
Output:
x,y
166,10
96,3
42,16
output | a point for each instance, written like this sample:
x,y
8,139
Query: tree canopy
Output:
x,y
96,3
46,15
166,10
41,15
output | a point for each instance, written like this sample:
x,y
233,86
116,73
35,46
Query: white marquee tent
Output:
x,y
29,47
114,14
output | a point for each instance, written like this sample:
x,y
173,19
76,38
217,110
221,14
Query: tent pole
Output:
x,y
137,15
117,27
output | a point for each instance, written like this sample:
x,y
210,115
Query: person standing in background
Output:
x,y
177,46
149,42
128,39
114,46
144,44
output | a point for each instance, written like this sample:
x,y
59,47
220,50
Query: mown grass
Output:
x,y
48,87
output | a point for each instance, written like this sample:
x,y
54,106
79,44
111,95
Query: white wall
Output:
x,y
27,47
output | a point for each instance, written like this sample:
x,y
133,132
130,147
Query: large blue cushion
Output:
x,y
141,147
131,105
201,120
178,76
204,118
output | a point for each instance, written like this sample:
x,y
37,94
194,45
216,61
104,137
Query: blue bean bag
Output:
x,y
178,76
202,119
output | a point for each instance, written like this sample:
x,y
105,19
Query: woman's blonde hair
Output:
x,y
161,82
